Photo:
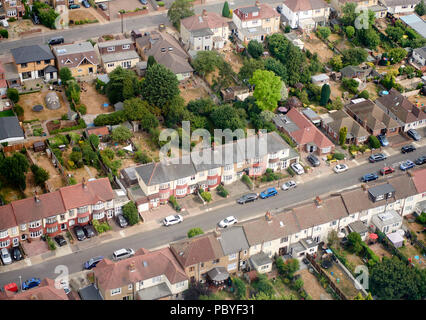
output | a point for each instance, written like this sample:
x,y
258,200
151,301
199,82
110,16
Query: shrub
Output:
x,y
142,157
374,142
194,232
160,3
246,179
222,191
338,156
240,288
4,33
50,243
207,196
131,213
364,94
82,109
174,203
121,153
18,110
13,94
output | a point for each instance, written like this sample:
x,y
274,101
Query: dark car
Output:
x,y
89,231
31,283
326,263
90,264
247,198
16,254
383,140
420,160
122,222
56,40
409,148
414,134
74,6
369,177
86,4
60,240
35,19
305,261
377,157
313,160
103,6
279,9
79,233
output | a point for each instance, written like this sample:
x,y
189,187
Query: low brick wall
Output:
x,y
102,13
134,14
24,33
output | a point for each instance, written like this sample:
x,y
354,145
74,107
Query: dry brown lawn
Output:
x,y
232,58
80,14
55,179
189,94
345,284
313,287
142,140
28,101
94,101
379,250
81,173
316,45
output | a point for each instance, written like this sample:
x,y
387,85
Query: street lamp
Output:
x,y
20,283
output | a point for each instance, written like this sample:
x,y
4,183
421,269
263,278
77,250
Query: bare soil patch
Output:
x,y
313,287
28,101
55,179
80,14
379,250
315,45
94,101
189,94
143,141
345,284
232,58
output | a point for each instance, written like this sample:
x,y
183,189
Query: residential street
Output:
x,y
207,221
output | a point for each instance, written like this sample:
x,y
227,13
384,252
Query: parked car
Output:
x,y
4,23
383,140
414,134
313,160
60,240
30,283
340,168
173,219
35,19
248,198
86,4
279,9
326,263
228,221
305,261
103,6
65,286
121,221
55,40
74,6
420,161
5,256
408,164
16,254
79,233
270,192
297,168
11,287
89,231
377,157
386,170
144,2
289,185
90,264
409,148
123,254
369,177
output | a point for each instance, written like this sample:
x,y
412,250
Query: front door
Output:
x,y
282,251
90,70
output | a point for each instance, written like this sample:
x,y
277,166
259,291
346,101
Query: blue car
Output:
x,y
31,283
270,192
369,177
383,140
88,265
86,4
407,165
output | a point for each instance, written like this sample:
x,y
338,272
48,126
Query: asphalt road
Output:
x,y
92,31
208,221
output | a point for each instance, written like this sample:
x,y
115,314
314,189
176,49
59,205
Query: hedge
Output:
x,y
246,179
81,125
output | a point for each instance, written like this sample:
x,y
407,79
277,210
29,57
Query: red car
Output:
x,y
11,287
386,170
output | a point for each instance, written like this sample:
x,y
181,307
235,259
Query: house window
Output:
x,y
36,234
83,220
180,192
23,227
14,231
232,256
62,216
4,234
46,61
52,230
267,244
229,167
181,182
285,239
99,206
98,216
110,49
212,181
191,269
130,287
110,64
180,284
38,62
333,223
82,210
4,244
115,291
232,266
35,224
216,261
126,46
24,65
51,220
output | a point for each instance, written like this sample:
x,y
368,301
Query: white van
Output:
x,y
122,254
4,23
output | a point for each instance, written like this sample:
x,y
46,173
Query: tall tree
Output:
x,y
131,213
123,84
151,61
248,68
325,94
226,12
121,134
267,89
228,117
277,67
255,48
206,62
65,74
40,175
180,9
13,169
420,8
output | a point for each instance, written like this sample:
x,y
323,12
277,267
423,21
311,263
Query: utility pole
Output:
x,y
122,28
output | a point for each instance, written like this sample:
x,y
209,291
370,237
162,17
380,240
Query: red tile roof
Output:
x,y
7,218
101,131
419,179
307,132
45,291
265,12
210,20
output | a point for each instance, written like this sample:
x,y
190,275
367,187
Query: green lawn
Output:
x,y
7,113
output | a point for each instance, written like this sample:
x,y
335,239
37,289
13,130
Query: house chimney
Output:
x,y
268,216
217,233
257,3
318,201
36,197
84,183
364,187
204,13
132,266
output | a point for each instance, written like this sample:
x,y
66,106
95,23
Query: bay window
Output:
x,y
51,220
4,234
98,216
115,291
83,220
35,224
4,244
36,233
82,210
52,230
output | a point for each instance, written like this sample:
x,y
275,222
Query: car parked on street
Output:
x,y
55,40
122,221
369,177
79,233
383,140
408,164
420,161
123,254
4,23
270,192
297,168
386,170
289,185
248,198
5,256
91,263
16,254
30,283
377,157
173,219
86,4
340,168
313,160
60,240
414,134
408,148
228,221
89,231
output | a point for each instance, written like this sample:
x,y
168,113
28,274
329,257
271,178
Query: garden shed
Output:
x,y
39,146
396,238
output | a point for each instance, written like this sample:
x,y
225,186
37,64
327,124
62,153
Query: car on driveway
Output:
x,y
5,256
289,185
103,6
35,19
305,261
16,254
121,221
386,170
340,168
144,2
74,6
86,4
408,164
377,157
91,263
420,161
409,148
60,240
297,168
228,221
326,263
414,134
30,283
89,231
173,219
383,140
270,192
79,233
313,160
248,198
369,177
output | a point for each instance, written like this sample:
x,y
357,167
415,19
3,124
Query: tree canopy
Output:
x,y
194,232
121,134
122,85
354,56
131,213
13,170
255,48
206,62
267,89
180,9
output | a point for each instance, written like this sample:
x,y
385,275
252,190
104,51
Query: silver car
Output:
x,y
5,256
289,185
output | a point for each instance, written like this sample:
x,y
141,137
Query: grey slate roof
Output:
x,y
260,259
218,274
358,226
202,32
282,121
381,189
118,56
421,52
233,240
248,9
32,53
154,292
50,68
350,71
10,128
111,43
89,293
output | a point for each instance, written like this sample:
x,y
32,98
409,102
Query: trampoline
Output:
x,y
38,108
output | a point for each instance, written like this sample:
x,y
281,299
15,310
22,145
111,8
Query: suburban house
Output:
x,y
3,82
400,6
205,31
305,14
372,5
53,212
355,72
101,132
207,168
387,222
167,51
419,180
235,248
80,58
11,9
148,275
46,290
255,22
35,62
399,108
116,53
303,132
419,58
320,79
372,118
10,130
